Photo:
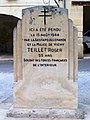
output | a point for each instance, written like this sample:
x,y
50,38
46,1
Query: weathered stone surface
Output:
x,y
71,49
75,53
77,18
46,47
17,38
19,50
46,113
15,52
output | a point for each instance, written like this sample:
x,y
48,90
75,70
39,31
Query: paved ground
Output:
x,y
6,83
7,67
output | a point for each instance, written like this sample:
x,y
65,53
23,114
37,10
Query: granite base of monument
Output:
x,y
46,113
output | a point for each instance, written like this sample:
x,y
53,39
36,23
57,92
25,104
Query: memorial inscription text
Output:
x,y
45,43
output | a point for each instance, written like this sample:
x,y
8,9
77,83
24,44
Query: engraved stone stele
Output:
x,y
45,60
48,62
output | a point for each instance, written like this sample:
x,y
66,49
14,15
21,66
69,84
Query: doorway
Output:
x,y
7,24
86,29
86,18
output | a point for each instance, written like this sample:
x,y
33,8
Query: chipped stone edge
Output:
x,y
46,113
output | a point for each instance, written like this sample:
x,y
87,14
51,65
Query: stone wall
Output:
x,y
14,7
76,14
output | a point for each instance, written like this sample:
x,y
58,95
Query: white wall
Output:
x,y
14,7
76,14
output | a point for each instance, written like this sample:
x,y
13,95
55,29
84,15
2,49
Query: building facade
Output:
x,y
11,10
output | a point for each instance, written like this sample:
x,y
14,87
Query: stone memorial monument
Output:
x,y
45,61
